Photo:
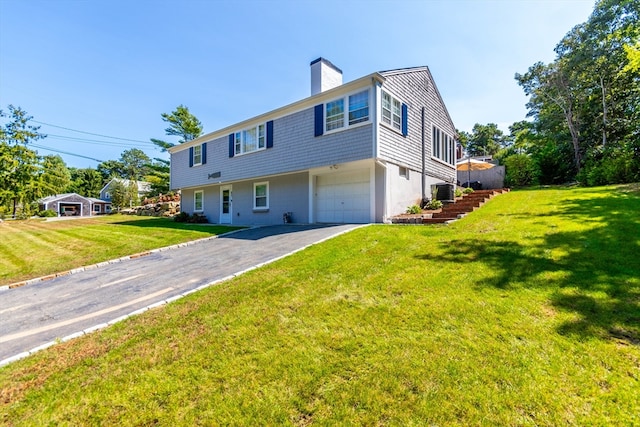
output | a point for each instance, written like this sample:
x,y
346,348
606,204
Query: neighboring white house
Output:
x,y
73,204
143,188
357,152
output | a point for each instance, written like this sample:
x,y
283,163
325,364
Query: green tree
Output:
x,y
485,140
134,163
158,176
182,124
111,169
119,194
54,175
19,165
87,182
588,97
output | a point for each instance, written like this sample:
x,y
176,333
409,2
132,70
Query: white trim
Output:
x,y
193,159
195,206
260,208
228,217
310,102
345,112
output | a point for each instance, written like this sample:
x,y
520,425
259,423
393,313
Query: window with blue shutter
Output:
x,y
190,157
270,134
204,153
405,120
231,144
318,120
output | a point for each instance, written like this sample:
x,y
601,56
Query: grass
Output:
x,y
37,248
526,312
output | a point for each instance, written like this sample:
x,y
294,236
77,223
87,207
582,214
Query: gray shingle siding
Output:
x,y
295,148
417,90
287,193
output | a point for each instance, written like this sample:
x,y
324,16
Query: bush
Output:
x,y
433,205
191,219
468,190
521,170
415,209
458,192
47,213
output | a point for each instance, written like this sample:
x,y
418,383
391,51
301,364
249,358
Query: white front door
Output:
x,y
225,204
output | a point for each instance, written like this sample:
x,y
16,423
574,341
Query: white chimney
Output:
x,y
324,76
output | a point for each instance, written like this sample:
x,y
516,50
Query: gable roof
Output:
x,y
424,68
55,197
308,102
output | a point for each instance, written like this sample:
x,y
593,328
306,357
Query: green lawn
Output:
x,y
526,312
36,248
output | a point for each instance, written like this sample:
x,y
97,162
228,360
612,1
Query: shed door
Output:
x,y
343,197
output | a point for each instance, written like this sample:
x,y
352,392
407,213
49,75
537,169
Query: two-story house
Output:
x,y
356,152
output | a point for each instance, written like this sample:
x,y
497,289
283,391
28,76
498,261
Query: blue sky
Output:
x,y
111,67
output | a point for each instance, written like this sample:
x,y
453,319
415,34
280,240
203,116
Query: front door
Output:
x,y
225,204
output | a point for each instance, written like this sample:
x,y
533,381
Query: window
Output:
x,y
197,155
335,114
250,140
359,107
357,111
442,146
198,201
391,111
96,208
404,172
261,195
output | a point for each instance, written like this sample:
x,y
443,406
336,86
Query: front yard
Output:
x,y
37,247
526,312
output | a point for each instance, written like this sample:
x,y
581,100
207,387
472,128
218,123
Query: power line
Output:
x,y
95,141
65,152
89,133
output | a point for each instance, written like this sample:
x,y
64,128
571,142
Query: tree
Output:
x,y
87,182
182,124
158,176
110,169
18,164
54,175
588,96
485,140
134,162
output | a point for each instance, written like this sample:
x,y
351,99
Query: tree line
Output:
x,y
584,107
26,177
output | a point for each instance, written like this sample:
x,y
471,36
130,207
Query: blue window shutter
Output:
x,y
405,120
231,144
319,119
204,153
270,134
190,157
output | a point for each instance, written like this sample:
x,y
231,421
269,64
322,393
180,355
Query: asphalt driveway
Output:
x,y
38,315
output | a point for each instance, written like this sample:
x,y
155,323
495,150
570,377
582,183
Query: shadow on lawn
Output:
x,y
595,273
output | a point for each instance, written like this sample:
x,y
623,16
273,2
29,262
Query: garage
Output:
x,y
343,197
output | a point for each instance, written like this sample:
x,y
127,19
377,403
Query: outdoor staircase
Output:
x,y
451,211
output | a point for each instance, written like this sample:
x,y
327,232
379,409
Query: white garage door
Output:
x,y
343,197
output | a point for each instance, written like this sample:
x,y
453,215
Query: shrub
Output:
x,y
433,205
47,213
468,190
191,219
521,170
458,192
415,209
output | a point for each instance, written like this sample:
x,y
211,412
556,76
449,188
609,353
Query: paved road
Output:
x,y
39,314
